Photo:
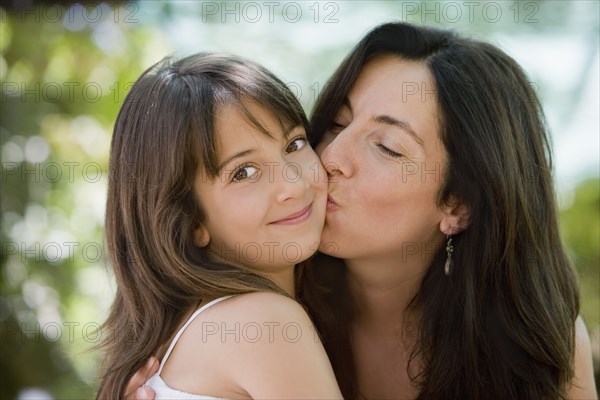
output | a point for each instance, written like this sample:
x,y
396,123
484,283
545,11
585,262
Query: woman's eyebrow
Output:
x,y
402,124
389,120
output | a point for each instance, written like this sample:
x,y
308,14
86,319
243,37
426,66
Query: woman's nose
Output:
x,y
337,156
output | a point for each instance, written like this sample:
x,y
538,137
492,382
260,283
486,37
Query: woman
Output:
x,y
449,278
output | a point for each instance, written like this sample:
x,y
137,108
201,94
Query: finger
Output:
x,y
140,377
145,393
154,364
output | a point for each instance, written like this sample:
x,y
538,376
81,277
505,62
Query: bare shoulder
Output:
x,y
258,345
279,354
264,344
260,305
253,319
582,386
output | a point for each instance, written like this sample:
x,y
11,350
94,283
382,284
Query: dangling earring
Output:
x,y
449,250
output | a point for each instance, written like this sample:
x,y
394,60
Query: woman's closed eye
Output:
x,y
245,172
388,151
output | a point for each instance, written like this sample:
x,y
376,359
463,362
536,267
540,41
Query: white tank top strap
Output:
x,y
183,328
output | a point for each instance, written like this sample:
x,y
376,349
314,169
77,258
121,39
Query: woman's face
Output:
x,y
264,210
386,162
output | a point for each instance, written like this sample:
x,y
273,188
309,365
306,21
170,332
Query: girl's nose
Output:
x,y
293,182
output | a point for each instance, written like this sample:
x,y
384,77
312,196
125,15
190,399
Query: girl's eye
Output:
x,y
243,173
296,145
388,152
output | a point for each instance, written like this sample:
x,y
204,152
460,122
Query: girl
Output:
x,y
214,195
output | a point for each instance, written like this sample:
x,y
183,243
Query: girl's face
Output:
x,y
386,162
266,207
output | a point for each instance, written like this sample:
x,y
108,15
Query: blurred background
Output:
x,y
65,69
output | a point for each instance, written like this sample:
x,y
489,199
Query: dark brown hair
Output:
x,y
163,138
501,326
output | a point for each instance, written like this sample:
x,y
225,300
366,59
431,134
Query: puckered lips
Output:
x,y
331,204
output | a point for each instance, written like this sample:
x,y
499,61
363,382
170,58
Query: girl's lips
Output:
x,y
295,218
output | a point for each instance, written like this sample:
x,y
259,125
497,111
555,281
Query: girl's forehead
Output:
x,y
252,116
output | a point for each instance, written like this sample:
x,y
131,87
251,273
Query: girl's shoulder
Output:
x,y
259,345
269,302
241,331
253,308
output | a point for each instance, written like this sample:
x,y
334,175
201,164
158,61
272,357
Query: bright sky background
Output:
x,y
560,54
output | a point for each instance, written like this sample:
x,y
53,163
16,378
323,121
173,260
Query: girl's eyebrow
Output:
x,y
233,157
289,129
243,153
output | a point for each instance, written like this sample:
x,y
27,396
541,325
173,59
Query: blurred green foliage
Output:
x,y
580,229
63,80
60,96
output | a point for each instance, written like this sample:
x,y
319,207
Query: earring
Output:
x,y
449,250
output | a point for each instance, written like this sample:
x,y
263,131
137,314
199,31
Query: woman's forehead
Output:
x,y
391,86
392,75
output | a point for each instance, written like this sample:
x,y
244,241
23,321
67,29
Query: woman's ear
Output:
x,y
457,217
201,236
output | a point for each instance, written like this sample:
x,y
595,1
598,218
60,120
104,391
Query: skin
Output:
x,y
212,360
374,228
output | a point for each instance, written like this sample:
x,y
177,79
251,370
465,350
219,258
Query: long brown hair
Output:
x,y
501,326
163,138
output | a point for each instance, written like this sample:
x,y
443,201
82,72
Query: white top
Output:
x,y
161,389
